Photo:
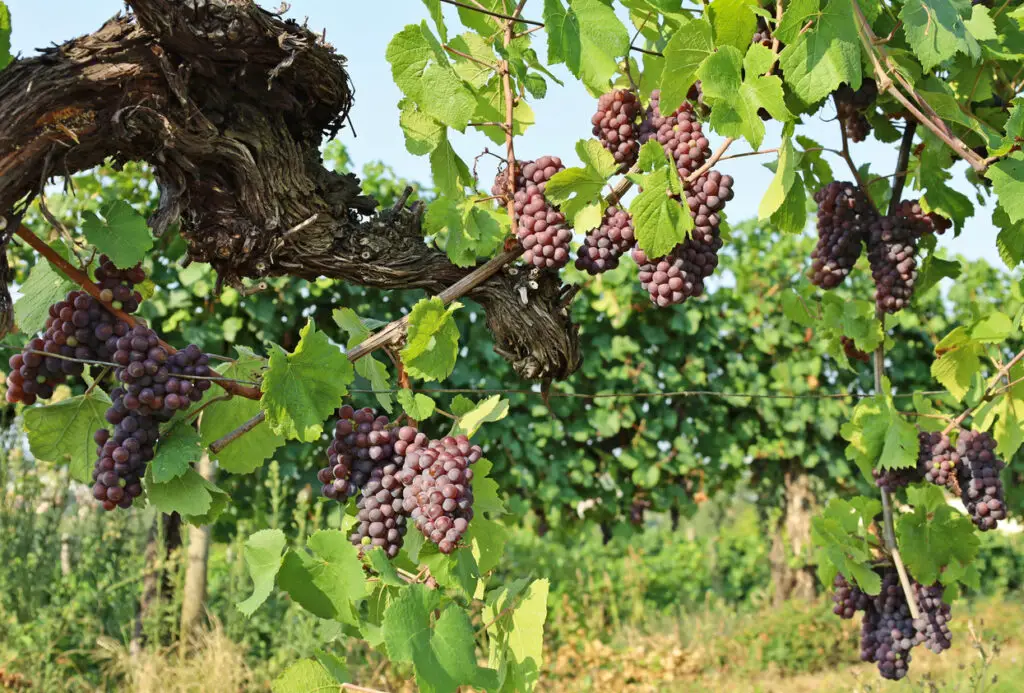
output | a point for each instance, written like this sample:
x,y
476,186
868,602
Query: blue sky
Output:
x,y
361,31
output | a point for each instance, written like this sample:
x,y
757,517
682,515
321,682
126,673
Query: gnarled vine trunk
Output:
x,y
792,576
229,104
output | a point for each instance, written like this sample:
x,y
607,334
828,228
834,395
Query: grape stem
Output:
x,y
889,534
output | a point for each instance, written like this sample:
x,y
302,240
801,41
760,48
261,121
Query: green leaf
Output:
x,y
422,133
516,633
796,16
328,581
450,173
263,557
575,190
1007,176
62,433
122,233
684,53
660,222
866,433
488,539
935,30
44,287
959,360
735,100
369,367
841,535
899,451
177,451
421,70
467,229
933,270
733,22
434,7
782,182
382,565
992,329
5,36
934,536
564,41
492,409
418,406
301,389
1009,241
794,308
818,60
188,494
443,656
304,676
485,490
334,664
247,453
432,344
461,405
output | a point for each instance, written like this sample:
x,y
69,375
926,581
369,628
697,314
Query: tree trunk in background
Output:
x,y
65,554
792,578
194,591
156,580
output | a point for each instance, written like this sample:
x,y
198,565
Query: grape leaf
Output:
x,y
933,270
736,100
62,433
492,409
304,676
301,389
456,571
1007,176
189,494
432,343
461,405
418,406
384,568
841,535
516,631
794,308
936,31
575,190
467,229
733,22
785,175
488,539
992,328
5,35
485,490
564,41
1009,241
818,60
450,173
479,71
443,656
660,222
369,366
44,287
122,233
263,557
685,51
422,133
328,581
434,7
934,535
421,70
796,16
959,359
334,665
177,451
866,433
247,453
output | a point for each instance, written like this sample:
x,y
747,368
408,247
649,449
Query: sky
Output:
x,y
361,31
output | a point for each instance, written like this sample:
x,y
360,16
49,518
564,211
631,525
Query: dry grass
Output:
x,y
215,664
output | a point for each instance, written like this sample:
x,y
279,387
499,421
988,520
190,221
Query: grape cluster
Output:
x,y
436,476
541,228
680,134
847,597
154,385
763,34
921,223
603,246
892,479
380,514
888,631
933,625
615,125
851,105
981,489
851,350
117,286
892,249
500,187
361,444
843,217
937,459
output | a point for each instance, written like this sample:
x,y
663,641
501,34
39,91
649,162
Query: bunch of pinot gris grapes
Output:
x,y
541,228
603,246
680,134
937,459
361,443
921,223
851,105
892,250
438,494
981,489
843,217
888,632
615,125
847,597
933,625
380,513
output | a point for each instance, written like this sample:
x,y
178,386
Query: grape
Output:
x,y
763,34
843,215
892,249
888,632
615,125
892,479
937,459
603,246
541,228
981,489
680,135
848,598
850,107
361,444
933,625
500,187
921,223
381,516
438,494
851,350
